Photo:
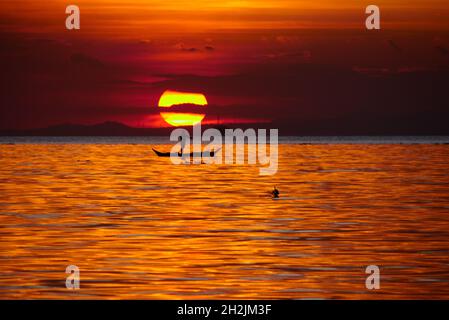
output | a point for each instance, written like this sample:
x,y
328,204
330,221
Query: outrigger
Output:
x,y
190,155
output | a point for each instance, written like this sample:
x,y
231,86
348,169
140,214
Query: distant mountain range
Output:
x,y
108,128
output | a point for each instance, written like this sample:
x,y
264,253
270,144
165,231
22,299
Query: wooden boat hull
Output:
x,y
190,155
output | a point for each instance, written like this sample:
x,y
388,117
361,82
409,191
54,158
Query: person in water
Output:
x,y
275,192
182,147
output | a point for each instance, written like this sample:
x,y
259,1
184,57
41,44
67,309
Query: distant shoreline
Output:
x,y
160,140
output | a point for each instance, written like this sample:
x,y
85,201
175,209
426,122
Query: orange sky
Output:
x,y
254,60
156,18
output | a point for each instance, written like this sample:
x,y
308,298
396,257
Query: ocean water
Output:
x,y
138,226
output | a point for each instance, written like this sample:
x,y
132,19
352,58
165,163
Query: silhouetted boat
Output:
x,y
189,155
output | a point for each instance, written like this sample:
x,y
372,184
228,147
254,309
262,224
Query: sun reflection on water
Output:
x,y
139,227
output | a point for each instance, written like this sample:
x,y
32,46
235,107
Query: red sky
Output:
x,y
308,65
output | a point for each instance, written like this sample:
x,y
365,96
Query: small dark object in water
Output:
x,y
275,192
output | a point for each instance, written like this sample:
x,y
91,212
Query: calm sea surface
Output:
x,y
138,226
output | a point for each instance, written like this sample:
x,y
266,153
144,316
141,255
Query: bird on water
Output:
x,y
275,192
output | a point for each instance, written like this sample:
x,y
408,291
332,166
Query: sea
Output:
x,y
137,226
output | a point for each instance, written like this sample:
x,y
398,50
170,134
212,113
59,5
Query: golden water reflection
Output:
x,y
139,227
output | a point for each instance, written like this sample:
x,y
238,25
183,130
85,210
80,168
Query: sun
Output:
x,y
181,100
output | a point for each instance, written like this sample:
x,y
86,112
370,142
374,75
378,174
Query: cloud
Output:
x,y
394,45
182,47
304,56
325,99
290,39
85,60
372,71
47,81
443,50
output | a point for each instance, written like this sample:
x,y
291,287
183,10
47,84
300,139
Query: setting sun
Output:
x,y
174,98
